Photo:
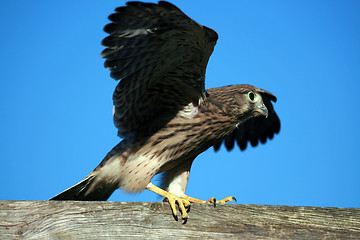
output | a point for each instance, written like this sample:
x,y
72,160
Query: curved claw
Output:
x,y
188,208
184,208
183,203
212,200
228,199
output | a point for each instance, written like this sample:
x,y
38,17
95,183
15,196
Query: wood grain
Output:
x,y
153,220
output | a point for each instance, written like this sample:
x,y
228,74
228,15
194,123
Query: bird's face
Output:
x,y
250,104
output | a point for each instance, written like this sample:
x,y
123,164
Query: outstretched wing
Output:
x,y
254,129
160,55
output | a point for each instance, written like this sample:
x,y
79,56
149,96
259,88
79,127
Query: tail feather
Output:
x,y
87,190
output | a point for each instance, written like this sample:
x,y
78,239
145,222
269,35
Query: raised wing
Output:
x,y
160,55
255,129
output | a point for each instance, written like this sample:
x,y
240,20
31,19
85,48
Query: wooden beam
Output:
x,y
140,220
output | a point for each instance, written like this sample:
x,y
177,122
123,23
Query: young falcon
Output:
x,y
162,110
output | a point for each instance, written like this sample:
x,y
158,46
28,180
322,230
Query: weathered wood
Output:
x,y
123,220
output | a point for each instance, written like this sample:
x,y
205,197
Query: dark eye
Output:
x,y
251,96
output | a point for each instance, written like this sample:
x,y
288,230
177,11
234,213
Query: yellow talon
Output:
x,y
211,200
228,199
183,203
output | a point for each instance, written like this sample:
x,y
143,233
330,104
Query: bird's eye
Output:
x,y
251,96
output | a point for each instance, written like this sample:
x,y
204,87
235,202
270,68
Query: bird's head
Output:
x,y
249,103
243,101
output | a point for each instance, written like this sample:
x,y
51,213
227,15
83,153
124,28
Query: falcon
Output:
x,y
162,110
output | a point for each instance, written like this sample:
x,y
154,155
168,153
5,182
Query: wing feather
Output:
x,y
160,55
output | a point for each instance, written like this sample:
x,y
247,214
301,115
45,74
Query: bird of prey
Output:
x,y
162,110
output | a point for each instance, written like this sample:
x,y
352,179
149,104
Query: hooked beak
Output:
x,y
261,108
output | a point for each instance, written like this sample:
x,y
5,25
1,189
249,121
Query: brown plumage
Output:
x,y
161,107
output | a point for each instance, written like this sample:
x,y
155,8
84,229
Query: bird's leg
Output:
x,y
184,204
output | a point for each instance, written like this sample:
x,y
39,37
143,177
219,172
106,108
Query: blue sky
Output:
x,y
56,106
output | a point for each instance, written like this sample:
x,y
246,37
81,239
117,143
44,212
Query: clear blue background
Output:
x,y
56,107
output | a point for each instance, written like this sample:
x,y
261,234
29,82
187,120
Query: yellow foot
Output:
x,y
184,204
211,200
